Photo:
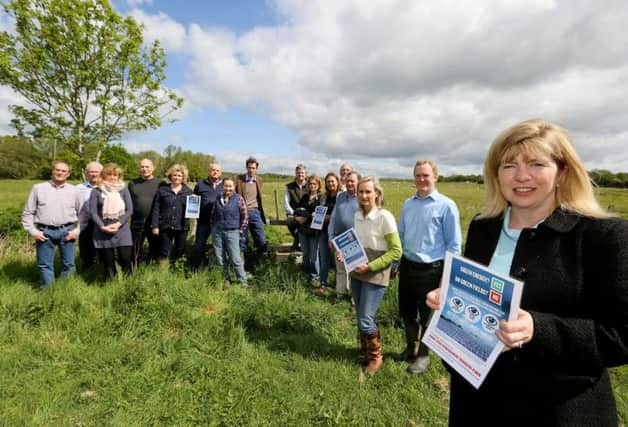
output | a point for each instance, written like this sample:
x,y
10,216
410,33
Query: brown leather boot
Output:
x,y
363,359
374,353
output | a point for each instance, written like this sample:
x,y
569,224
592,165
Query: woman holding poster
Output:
x,y
543,225
377,231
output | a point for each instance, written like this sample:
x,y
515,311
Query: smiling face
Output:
x,y
529,184
313,186
228,188
214,172
367,196
351,183
251,169
345,169
424,179
60,173
146,169
299,175
176,178
112,177
93,172
331,184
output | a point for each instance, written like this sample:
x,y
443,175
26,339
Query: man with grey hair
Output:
x,y
143,190
292,196
51,215
87,251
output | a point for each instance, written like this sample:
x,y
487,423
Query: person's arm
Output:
x,y
451,229
286,202
128,202
332,220
28,214
154,214
401,225
392,254
584,343
93,209
244,214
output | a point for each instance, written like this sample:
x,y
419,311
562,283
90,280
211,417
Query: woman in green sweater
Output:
x,y
377,230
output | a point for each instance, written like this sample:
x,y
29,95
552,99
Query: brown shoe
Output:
x,y
363,359
226,285
319,291
374,353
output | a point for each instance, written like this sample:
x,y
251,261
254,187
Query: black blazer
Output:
x,y
575,273
169,208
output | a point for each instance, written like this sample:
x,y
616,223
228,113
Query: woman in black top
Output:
x,y
308,237
332,186
168,219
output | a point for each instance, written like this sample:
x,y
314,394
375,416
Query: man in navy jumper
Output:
x,y
209,189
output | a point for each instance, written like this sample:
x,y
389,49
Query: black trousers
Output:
x,y
142,233
124,255
414,285
87,251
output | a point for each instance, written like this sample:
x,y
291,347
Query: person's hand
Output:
x,y
72,235
339,257
155,231
40,237
433,299
115,227
299,219
330,244
361,269
393,273
518,332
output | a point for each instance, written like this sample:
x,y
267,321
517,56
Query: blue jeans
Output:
x,y
203,231
256,227
367,298
46,254
309,246
324,257
226,247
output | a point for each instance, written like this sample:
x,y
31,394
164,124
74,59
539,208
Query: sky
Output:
x,y
381,83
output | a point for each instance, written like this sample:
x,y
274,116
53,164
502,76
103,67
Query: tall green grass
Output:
x,y
172,348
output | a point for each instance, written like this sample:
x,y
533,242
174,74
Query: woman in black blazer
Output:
x,y
168,219
543,225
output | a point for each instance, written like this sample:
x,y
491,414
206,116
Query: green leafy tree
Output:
x,y
84,74
20,159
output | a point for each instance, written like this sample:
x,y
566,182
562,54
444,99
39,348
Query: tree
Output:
x,y
20,159
84,74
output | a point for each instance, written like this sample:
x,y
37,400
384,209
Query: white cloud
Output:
x,y
399,80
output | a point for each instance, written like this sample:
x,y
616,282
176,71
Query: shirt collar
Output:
x,y
248,178
58,186
434,195
371,215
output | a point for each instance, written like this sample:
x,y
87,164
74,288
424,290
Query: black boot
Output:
x,y
410,353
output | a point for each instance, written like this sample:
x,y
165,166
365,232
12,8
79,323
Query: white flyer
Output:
x,y
474,299
349,245
193,206
319,218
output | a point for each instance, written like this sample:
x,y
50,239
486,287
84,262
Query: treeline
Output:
x,y
21,158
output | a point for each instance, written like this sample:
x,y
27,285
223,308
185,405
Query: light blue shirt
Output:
x,y
505,250
342,216
428,227
86,191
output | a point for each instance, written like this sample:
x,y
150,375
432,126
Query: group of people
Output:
x,y
112,221
540,223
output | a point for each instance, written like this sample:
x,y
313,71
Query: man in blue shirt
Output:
x,y
340,221
87,251
209,189
429,225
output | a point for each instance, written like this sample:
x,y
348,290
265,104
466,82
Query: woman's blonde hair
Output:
x,y
109,169
379,190
178,168
574,189
318,180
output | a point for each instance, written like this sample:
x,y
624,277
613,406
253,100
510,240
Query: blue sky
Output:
x,y
381,83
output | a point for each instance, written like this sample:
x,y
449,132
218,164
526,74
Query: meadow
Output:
x,y
172,348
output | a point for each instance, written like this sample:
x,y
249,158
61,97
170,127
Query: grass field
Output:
x,y
170,348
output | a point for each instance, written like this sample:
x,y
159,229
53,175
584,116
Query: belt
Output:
x,y
421,266
54,227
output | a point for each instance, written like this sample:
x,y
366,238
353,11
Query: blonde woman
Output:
x,y
542,224
110,207
168,219
377,230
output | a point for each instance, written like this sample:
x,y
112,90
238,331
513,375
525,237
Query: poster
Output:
x,y
319,217
349,245
193,206
474,299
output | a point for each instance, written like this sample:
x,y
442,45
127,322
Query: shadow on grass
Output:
x,y
20,271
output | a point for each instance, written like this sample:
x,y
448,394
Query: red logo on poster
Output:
x,y
495,297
